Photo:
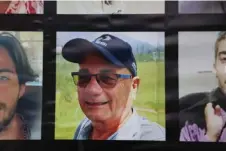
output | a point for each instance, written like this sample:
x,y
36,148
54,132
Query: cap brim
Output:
x,y
75,50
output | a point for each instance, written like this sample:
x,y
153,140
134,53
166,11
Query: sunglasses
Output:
x,y
105,80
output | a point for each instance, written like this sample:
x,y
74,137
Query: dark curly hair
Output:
x,y
19,57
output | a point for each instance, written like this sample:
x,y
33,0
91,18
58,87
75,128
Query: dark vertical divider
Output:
x,y
49,70
171,73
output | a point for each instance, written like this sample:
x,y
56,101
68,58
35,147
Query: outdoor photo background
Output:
x,y
148,48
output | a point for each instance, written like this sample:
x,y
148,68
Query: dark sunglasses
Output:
x,y
105,80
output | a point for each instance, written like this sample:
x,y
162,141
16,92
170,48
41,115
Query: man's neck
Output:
x,y
221,93
13,131
103,130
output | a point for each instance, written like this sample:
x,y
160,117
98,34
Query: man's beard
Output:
x,y
6,122
222,86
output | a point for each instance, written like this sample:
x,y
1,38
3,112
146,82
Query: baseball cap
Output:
x,y
113,49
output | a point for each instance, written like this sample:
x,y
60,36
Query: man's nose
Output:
x,y
93,87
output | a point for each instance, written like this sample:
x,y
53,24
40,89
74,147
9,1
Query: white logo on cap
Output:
x,y
103,40
134,66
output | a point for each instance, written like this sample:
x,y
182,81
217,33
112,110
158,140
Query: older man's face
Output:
x,y
220,65
101,103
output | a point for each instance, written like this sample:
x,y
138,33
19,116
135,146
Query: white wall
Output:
x,y
196,54
34,50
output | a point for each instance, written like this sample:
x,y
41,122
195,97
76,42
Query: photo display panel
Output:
x,y
21,84
110,7
199,99
76,106
22,7
141,75
201,7
21,70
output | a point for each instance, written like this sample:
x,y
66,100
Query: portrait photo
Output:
x,y
21,6
202,86
201,7
110,7
110,86
21,70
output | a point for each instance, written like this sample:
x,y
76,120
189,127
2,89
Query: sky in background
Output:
x,y
152,38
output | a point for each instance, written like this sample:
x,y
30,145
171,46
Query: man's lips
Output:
x,y
96,103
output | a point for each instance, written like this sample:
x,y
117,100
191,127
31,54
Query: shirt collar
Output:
x,y
127,132
130,129
25,128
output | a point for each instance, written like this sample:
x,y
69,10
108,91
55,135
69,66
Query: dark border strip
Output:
x,y
196,22
21,22
49,70
110,23
171,86
171,74
171,7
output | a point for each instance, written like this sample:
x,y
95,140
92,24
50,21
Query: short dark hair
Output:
x,y
19,57
221,36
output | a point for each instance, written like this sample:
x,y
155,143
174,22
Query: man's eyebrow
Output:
x,y
83,70
106,70
222,53
6,70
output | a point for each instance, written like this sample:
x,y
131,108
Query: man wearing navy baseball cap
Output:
x,y
107,83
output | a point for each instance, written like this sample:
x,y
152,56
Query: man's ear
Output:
x,y
134,88
136,82
22,89
214,69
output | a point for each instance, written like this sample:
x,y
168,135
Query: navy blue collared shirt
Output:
x,y
136,128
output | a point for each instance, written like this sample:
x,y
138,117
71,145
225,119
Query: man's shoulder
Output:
x,y
82,125
191,100
192,108
151,130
